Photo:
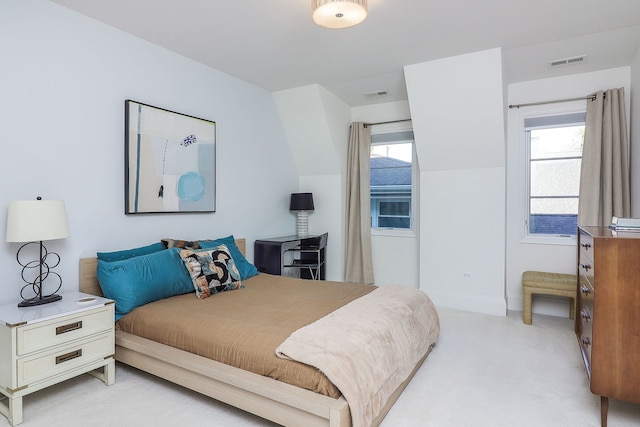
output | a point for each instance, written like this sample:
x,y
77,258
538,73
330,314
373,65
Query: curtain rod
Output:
x,y
384,123
591,97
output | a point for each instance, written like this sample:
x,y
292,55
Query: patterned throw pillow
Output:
x,y
212,270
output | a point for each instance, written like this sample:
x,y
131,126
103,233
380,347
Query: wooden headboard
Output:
x,y
89,281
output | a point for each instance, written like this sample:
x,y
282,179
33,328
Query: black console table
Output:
x,y
292,254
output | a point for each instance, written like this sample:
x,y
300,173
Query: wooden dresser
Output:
x,y
608,321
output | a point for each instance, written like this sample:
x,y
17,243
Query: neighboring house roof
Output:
x,y
389,171
553,224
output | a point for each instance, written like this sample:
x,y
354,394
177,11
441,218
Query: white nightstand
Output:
x,y
44,345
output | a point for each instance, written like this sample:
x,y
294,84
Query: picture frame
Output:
x,y
170,161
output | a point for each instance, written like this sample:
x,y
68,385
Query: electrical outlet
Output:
x,y
466,274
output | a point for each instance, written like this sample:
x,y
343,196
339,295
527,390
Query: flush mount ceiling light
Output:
x,y
338,13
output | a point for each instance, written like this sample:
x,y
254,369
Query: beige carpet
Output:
x,y
485,371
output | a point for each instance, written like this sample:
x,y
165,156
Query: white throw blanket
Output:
x,y
368,347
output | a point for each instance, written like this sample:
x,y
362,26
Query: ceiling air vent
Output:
x,y
568,61
376,94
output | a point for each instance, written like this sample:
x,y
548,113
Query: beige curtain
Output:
x,y
604,177
358,260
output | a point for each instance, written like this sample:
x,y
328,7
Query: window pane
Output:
x,y
557,142
555,177
554,206
553,224
555,156
402,151
391,181
395,208
394,222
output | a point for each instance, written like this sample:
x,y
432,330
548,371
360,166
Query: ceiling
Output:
x,y
275,45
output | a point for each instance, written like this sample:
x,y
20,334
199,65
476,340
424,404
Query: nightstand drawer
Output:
x,y
42,335
62,359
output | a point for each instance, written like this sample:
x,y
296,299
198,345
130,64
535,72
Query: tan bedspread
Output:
x,y
367,357
242,328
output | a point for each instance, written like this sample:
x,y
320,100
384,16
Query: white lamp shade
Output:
x,y
34,220
338,13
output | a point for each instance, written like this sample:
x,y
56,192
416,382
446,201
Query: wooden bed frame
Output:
x,y
265,397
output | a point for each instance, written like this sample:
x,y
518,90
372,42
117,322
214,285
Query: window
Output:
x,y
392,180
554,154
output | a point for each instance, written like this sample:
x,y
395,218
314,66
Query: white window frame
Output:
x,y
542,111
401,232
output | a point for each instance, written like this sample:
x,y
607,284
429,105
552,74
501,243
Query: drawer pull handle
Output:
x,y
586,291
585,315
586,245
586,341
68,328
68,356
586,267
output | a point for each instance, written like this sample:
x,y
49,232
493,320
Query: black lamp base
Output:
x,y
39,301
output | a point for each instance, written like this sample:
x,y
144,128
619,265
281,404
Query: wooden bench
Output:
x,y
556,284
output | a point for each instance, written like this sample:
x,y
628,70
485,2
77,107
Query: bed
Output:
x,y
276,398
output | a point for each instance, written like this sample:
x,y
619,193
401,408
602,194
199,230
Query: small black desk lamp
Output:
x,y
303,204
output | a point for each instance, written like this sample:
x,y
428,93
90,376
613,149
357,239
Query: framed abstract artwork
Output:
x,y
170,161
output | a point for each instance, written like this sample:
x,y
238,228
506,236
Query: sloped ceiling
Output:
x,y
274,44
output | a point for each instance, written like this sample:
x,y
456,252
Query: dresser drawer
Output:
x,y
586,334
586,267
42,335
586,290
585,319
48,364
586,245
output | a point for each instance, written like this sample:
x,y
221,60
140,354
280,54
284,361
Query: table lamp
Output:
x,y
33,221
302,203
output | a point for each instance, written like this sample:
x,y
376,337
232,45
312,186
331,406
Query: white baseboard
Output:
x,y
542,304
496,307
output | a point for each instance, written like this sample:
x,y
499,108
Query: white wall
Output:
x,y
63,82
458,120
471,189
523,255
635,135
316,124
317,128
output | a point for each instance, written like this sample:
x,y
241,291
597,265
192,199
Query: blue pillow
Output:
x,y
130,253
136,281
245,268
